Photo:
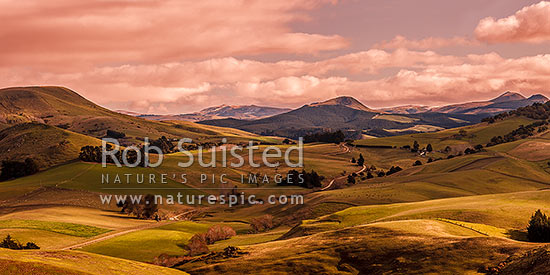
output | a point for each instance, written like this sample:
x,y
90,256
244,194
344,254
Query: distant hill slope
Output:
x,y
247,112
406,109
64,108
344,113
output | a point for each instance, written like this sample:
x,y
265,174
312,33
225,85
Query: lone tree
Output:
x,y
539,228
360,160
429,148
417,163
416,146
369,175
351,179
353,160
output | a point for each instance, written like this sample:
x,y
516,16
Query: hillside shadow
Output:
x,y
517,235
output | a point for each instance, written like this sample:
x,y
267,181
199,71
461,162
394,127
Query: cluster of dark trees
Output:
x,y
416,147
474,150
351,178
393,169
16,169
360,161
371,171
198,244
145,209
328,137
535,111
164,144
461,134
520,133
11,243
261,224
302,179
288,141
93,154
538,229
115,134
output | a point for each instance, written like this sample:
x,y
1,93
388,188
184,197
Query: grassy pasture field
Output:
x,y
476,134
424,247
71,229
72,262
88,176
436,180
145,245
112,220
61,226
44,239
507,212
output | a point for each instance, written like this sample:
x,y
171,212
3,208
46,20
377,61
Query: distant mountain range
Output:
x,y
350,115
506,102
247,112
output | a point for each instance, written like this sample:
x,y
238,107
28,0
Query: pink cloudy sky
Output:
x,y
178,56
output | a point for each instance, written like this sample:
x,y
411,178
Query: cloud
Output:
x,y
400,41
530,24
422,77
67,35
179,56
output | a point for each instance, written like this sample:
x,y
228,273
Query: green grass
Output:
x,y
492,213
70,229
44,239
79,215
88,176
484,229
145,245
47,145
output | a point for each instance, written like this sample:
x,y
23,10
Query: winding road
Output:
x,y
329,185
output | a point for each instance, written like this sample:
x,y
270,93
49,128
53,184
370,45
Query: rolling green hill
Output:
x,y
48,145
64,108
51,124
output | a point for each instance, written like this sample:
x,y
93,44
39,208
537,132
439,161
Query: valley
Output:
x,y
449,208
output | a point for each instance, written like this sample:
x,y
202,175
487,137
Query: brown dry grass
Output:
x,y
532,151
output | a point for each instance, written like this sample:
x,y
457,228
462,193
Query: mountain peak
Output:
x,y
508,96
347,101
538,98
